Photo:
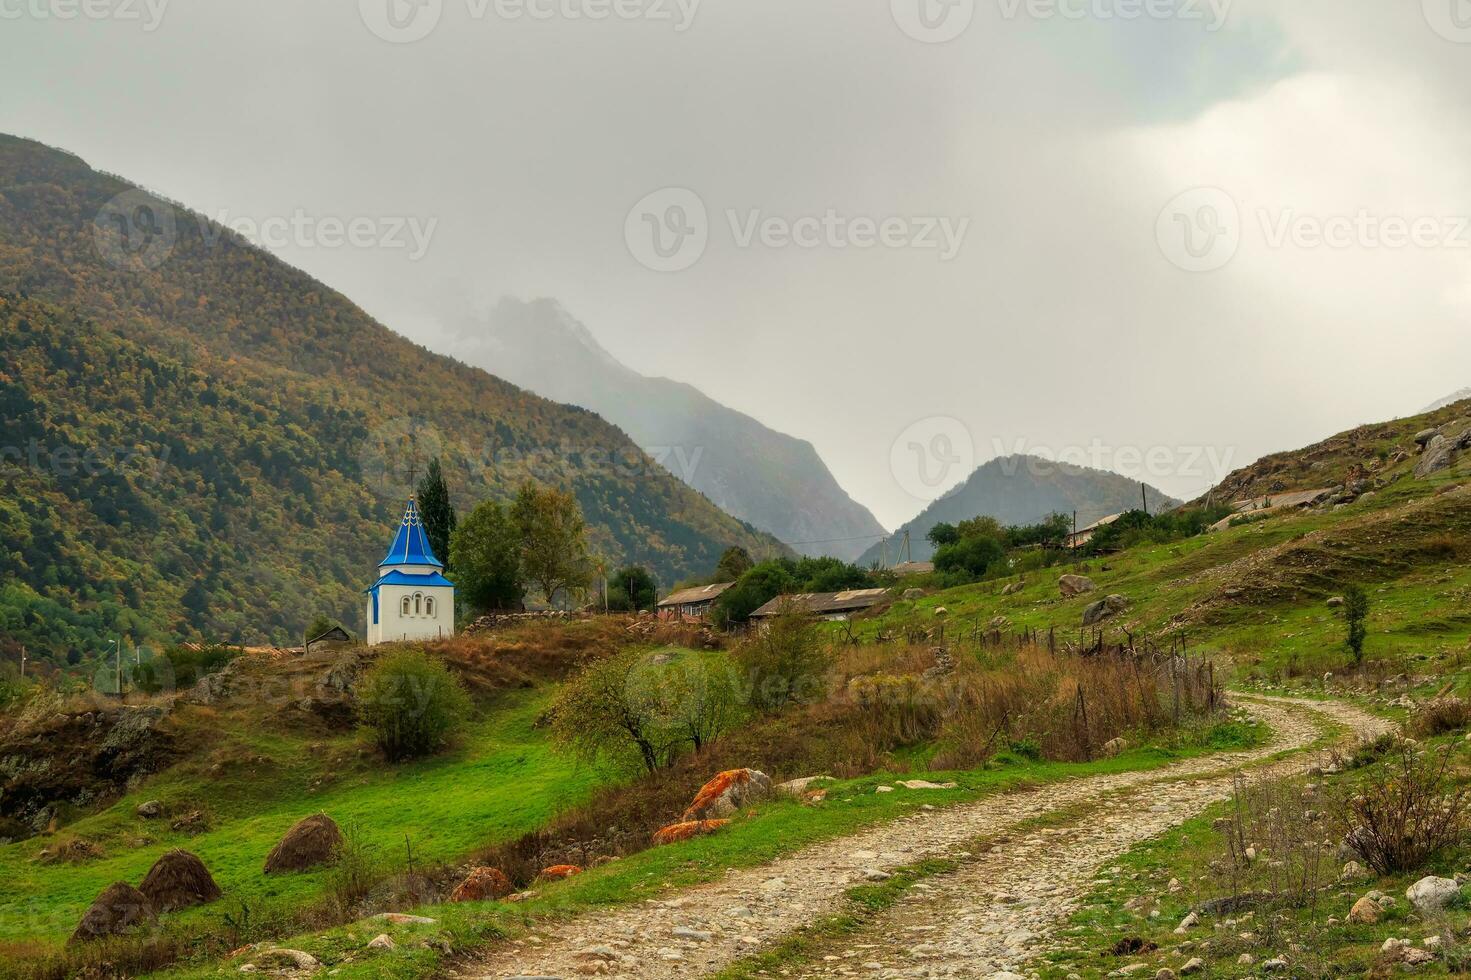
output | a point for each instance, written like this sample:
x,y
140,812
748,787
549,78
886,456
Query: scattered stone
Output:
x,y
874,874
558,872
151,810
1418,957
482,884
1275,965
1115,746
1195,965
1075,585
282,957
798,787
1186,924
1431,894
1104,609
402,919
688,830
382,941
923,784
727,793
693,935
883,789
1366,912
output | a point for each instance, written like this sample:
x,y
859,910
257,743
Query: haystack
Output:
x,y
179,880
311,843
120,908
481,885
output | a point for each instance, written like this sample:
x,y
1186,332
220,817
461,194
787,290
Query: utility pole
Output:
x,y
22,662
1144,496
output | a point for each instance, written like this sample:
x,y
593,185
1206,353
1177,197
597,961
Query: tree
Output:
x,y
942,534
1355,612
319,625
614,709
755,589
632,589
435,510
733,564
785,662
553,534
486,554
412,704
970,556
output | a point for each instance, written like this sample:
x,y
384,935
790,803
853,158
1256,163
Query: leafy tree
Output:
x,y
755,589
554,554
486,554
411,704
632,589
1355,612
733,564
942,534
437,513
972,557
785,662
981,526
319,625
615,709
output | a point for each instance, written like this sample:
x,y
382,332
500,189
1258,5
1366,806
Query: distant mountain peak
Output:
x,y
1447,401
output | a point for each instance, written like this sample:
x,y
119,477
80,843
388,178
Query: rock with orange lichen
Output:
x,y
558,872
483,884
728,792
685,831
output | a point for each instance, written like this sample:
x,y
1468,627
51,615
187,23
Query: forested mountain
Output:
x,y
201,441
773,480
1025,490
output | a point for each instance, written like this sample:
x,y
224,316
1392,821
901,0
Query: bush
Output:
x,y
1441,716
1355,612
412,704
1409,814
785,662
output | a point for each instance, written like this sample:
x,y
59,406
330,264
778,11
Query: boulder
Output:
x,y
179,880
291,959
1366,912
1104,609
1440,451
1431,894
1115,746
799,787
120,909
912,594
674,833
151,810
1423,437
313,842
482,884
728,792
382,941
1075,585
1013,588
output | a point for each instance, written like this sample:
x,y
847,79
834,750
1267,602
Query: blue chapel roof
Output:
x,y
429,580
411,545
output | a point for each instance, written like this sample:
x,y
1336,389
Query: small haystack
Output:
x,y
179,880
120,908
311,843
483,884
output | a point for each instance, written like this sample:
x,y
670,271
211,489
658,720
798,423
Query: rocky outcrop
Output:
x,y
1431,894
1104,609
1443,448
688,830
482,885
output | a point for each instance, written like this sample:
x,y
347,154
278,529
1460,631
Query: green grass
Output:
x,y
773,829
502,780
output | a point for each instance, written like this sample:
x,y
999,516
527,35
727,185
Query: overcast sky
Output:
x,y
1146,249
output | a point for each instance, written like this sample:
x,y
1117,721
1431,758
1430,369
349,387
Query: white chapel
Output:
x,y
412,600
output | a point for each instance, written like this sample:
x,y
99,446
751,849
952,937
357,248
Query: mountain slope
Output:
x,y
1463,395
252,433
1025,490
772,480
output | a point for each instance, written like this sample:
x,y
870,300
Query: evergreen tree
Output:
x,y
486,552
435,510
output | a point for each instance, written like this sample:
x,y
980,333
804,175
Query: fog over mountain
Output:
x,y
774,481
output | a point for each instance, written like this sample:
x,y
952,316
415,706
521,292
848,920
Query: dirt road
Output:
x,y
987,918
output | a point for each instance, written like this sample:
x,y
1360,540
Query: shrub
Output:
x,y
411,704
785,662
1441,716
1410,813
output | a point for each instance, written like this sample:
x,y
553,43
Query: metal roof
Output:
x,y
824,602
695,596
411,545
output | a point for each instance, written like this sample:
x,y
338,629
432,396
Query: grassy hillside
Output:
x,y
201,441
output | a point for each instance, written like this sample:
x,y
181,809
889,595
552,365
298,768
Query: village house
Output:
x,y
694,603
832,606
1082,536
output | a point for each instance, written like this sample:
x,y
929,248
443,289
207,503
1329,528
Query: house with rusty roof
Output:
x,y
694,603
835,606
